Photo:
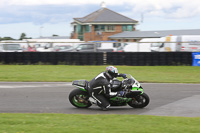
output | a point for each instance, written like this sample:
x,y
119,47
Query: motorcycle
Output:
x,y
132,91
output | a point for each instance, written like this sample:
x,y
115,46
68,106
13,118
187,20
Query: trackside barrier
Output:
x,y
196,59
150,58
54,58
98,58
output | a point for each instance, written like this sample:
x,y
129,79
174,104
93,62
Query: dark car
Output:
x,y
91,47
86,47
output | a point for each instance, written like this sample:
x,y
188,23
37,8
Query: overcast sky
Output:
x,y
48,17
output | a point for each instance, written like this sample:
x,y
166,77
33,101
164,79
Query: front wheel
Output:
x,y
79,99
139,101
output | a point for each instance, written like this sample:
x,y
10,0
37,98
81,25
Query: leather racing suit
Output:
x,y
102,83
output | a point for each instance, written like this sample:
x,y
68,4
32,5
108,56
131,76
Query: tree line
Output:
x,y
22,36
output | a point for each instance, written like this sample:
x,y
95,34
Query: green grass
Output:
x,y
65,73
66,123
70,123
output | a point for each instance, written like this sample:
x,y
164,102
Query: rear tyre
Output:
x,y
139,101
79,99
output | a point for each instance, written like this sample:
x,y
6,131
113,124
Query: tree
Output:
x,y
23,36
6,38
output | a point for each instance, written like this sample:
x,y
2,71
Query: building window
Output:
x,y
79,29
75,28
109,28
127,28
99,27
104,28
87,28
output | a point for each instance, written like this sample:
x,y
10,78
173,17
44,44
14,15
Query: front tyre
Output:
x,y
79,99
139,101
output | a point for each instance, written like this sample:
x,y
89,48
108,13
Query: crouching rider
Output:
x,y
102,82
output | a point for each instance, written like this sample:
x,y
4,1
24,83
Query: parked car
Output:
x,y
85,47
63,48
100,47
6,47
91,47
29,49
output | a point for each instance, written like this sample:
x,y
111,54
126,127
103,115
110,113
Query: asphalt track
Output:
x,y
43,97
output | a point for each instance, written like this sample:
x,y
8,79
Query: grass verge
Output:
x,y
66,123
65,73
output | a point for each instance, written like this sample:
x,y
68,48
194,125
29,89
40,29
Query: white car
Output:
x,y
10,47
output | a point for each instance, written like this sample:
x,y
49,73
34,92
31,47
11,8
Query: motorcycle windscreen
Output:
x,y
81,83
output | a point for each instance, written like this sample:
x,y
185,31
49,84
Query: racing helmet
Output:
x,y
112,71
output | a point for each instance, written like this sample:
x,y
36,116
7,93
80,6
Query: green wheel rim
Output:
x,y
77,103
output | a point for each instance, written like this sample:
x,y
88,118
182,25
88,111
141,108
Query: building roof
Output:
x,y
105,15
153,34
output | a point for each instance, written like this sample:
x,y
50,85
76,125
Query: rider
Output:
x,y
102,82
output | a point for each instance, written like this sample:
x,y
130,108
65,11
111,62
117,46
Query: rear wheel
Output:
x,y
139,101
79,99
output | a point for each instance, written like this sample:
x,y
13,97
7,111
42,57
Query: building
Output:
x,y
130,36
101,24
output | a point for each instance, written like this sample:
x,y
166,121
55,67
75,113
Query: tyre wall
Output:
x,y
150,58
98,58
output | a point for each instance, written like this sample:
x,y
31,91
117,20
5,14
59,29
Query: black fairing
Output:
x,y
133,94
116,85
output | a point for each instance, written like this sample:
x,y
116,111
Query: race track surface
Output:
x,y
43,97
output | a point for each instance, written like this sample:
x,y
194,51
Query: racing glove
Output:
x,y
120,93
122,75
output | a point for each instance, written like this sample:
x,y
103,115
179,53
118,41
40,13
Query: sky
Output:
x,y
47,17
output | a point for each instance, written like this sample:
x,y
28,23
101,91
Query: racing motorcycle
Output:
x,y
132,91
